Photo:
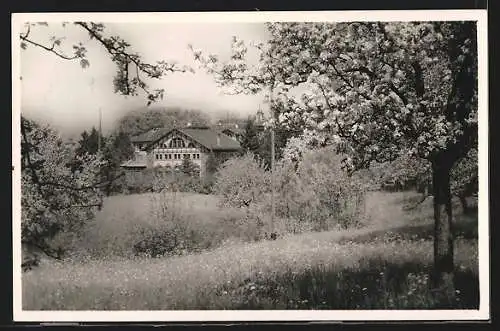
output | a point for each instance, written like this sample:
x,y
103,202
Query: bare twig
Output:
x,y
49,49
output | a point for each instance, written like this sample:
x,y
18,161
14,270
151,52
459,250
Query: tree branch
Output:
x,y
28,158
151,70
49,49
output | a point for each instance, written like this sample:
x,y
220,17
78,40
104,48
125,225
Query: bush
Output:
x,y
163,223
184,178
319,191
242,181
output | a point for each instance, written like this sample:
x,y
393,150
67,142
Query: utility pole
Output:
x,y
272,178
272,160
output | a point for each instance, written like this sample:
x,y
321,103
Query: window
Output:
x,y
187,156
161,156
190,145
156,156
176,143
169,156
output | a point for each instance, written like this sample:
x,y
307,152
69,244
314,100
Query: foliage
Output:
x,y
250,139
59,189
189,168
281,137
242,181
417,171
406,90
317,190
56,199
117,149
404,170
214,161
130,66
166,222
464,175
157,179
374,90
89,143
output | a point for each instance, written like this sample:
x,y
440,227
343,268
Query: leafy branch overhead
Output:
x,y
376,86
377,91
132,70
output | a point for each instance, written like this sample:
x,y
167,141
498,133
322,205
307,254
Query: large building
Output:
x,y
168,148
236,128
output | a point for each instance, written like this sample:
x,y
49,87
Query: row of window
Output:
x,y
177,156
178,143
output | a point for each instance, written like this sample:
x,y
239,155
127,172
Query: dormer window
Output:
x,y
177,143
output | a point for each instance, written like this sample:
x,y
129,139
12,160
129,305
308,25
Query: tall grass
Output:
x,y
383,266
246,276
189,222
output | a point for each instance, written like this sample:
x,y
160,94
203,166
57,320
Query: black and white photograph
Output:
x,y
250,166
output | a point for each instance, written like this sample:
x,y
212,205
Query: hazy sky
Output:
x,y
69,97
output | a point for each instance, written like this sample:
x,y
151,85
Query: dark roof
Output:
x,y
206,137
235,130
150,135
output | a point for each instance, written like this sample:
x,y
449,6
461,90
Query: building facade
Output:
x,y
161,148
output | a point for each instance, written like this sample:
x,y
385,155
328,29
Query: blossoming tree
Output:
x,y
375,90
55,197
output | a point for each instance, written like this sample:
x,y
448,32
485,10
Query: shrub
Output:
x,y
184,178
242,181
317,190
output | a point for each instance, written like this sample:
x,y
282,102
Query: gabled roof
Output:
x,y
234,130
206,137
150,135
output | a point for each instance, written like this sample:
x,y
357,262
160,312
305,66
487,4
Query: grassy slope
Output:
x,y
377,267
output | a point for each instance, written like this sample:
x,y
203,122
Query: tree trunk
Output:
x,y
443,238
465,205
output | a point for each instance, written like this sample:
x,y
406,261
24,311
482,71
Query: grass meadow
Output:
x,y
224,263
